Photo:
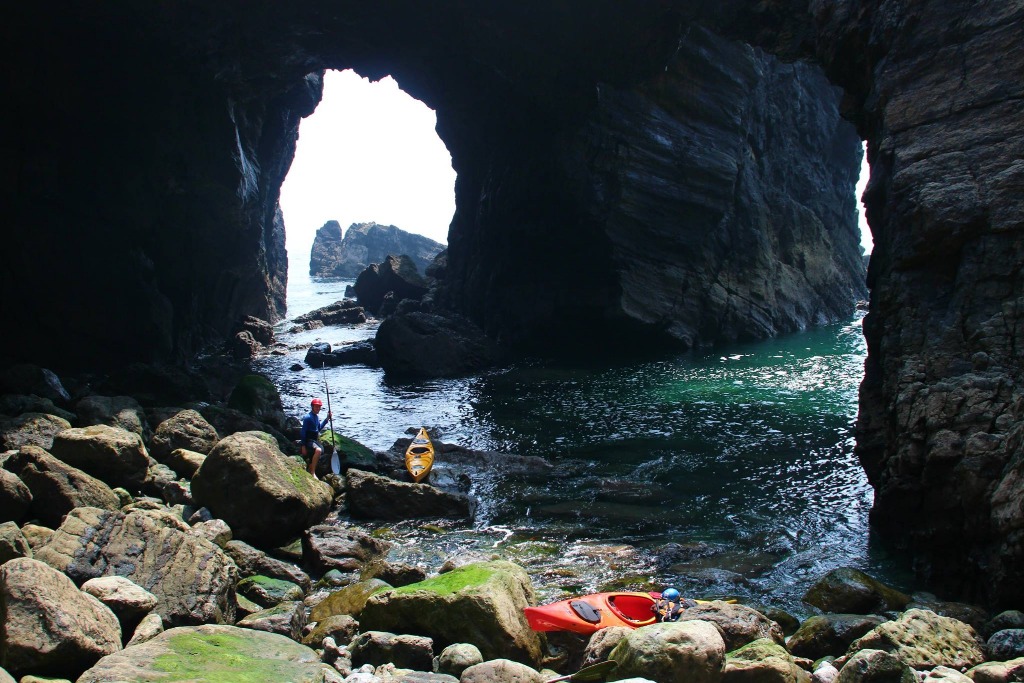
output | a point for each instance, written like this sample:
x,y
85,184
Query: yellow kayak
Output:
x,y
419,457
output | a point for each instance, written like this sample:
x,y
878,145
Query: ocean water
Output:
x,y
724,473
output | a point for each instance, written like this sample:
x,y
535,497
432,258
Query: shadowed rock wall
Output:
x,y
141,172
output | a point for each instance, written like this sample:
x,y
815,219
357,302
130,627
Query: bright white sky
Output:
x,y
368,153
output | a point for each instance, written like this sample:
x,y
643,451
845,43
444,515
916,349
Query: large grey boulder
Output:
x,y
1006,644
186,429
57,488
49,626
372,496
458,657
675,652
30,429
501,670
850,591
479,603
739,624
326,547
763,661
123,412
111,454
127,600
211,653
192,578
421,344
830,634
266,497
923,640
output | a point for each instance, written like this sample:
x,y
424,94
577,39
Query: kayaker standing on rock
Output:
x,y
309,436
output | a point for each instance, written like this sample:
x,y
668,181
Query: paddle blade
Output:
x,y
594,672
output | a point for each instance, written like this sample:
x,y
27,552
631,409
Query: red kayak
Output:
x,y
591,613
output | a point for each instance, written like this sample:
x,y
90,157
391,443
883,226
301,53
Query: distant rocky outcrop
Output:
x,y
391,281
363,244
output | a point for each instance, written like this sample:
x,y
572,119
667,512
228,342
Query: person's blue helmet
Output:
x,y
670,594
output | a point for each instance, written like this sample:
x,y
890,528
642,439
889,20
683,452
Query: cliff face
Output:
x,y
148,144
364,243
713,201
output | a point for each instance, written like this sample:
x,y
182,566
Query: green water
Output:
x,y
723,473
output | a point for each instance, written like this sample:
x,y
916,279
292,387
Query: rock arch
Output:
x,y
137,130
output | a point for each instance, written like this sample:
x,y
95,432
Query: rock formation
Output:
x,y
148,145
364,243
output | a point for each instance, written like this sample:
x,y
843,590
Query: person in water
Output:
x,y
309,436
670,605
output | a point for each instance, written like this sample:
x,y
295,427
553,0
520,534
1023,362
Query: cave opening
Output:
x,y
369,153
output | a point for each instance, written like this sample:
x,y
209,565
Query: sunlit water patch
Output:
x,y
724,473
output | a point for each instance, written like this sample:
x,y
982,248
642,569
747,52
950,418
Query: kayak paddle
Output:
x,y
594,672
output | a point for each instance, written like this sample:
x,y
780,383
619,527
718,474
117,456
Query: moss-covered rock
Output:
x,y
675,652
830,634
257,397
353,453
268,592
349,600
762,661
480,603
211,654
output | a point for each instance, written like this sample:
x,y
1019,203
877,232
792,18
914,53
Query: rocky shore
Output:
x,y
153,531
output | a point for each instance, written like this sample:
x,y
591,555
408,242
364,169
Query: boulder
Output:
x,y
348,601
404,651
739,624
674,652
762,661
943,674
230,421
15,497
341,627
479,603
13,543
458,657
344,312
111,454
187,429
242,346
259,329
216,531
163,483
372,496
184,462
17,404
36,535
397,574
257,397
601,644
123,412
998,672
211,653
286,618
266,497
57,488
830,634
127,600
1006,644
326,547
30,429
922,639
33,380
193,580
150,627
50,627
254,562
875,666
501,671
851,591
267,592
1007,619
352,353
396,275
430,345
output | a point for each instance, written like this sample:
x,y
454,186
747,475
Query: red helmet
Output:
x,y
316,403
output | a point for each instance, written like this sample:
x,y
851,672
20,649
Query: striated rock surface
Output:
x,y
364,243
56,487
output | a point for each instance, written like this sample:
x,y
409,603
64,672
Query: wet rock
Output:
x,y
15,497
326,547
922,640
764,661
851,591
458,657
259,329
500,671
13,543
830,634
488,598
679,652
1004,620
739,624
50,627
123,412
242,346
30,429
267,592
14,405
254,562
404,651
969,614
353,353
340,627
286,618
186,429
111,454
344,312
349,600
192,578
266,497
371,496
57,488
431,345
875,666
211,653
1006,644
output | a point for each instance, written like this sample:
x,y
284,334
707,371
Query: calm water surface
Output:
x,y
724,473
